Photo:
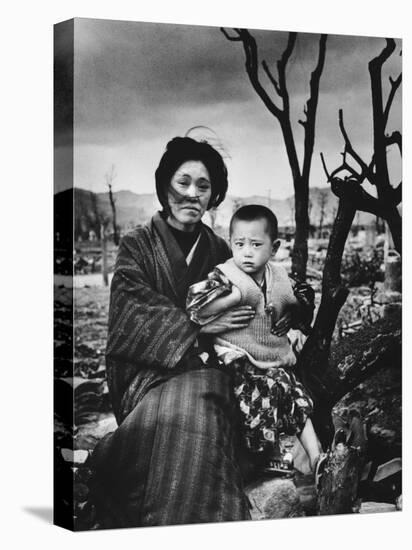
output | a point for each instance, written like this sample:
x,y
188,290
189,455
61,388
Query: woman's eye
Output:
x,y
203,186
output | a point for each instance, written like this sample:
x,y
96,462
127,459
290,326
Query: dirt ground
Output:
x,y
377,400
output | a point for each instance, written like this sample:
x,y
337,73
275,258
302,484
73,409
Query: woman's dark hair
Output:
x,y
252,212
183,149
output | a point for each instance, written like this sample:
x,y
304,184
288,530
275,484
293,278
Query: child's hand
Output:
x,y
282,327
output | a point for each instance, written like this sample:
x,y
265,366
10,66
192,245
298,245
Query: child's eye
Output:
x,y
239,245
256,245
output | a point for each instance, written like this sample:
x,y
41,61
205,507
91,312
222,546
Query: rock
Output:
x,y
307,492
77,457
90,433
274,498
373,507
388,469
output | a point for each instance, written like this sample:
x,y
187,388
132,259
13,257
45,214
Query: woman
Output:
x,y
173,458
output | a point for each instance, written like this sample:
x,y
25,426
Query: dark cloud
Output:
x,y
128,74
138,84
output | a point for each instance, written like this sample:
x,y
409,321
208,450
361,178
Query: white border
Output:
x,y
26,287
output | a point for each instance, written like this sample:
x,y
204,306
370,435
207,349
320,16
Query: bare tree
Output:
x,y
300,172
330,377
329,373
109,178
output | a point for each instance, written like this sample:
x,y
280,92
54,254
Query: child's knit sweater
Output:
x,y
264,348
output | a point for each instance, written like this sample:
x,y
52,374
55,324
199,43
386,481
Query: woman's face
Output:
x,y
189,194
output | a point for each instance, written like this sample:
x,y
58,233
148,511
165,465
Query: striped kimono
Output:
x,y
173,458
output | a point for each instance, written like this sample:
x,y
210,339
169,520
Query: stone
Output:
x,y
274,498
373,507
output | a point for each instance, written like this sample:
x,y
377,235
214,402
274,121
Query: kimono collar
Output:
x,y
184,274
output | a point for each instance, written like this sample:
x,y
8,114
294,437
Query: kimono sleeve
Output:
x,y
203,293
145,326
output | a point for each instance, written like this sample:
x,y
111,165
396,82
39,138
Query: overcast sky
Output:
x,y
137,85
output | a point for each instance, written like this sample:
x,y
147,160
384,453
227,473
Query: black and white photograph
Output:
x,y
227,274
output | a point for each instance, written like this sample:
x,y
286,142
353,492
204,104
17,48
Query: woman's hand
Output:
x,y
235,318
282,327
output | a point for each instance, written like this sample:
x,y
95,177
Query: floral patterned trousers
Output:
x,y
272,403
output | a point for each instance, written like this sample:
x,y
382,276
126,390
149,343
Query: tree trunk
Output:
x,y
300,245
394,220
313,360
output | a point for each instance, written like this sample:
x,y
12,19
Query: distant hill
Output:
x,y
134,209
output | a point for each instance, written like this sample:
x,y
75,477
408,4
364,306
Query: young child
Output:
x,y
272,401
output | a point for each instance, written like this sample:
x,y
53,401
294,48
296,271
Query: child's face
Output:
x,y
252,246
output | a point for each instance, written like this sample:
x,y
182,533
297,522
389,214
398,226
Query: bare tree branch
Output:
x,y
394,86
252,69
352,191
271,77
281,64
395,138
311,107
397,194
377,62
379,121
300,176
348,146
285,122
345,166
322,158
231,38
283,116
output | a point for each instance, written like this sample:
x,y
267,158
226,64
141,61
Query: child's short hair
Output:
x,y
252,212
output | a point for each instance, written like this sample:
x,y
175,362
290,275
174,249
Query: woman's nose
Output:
x,y
191,191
